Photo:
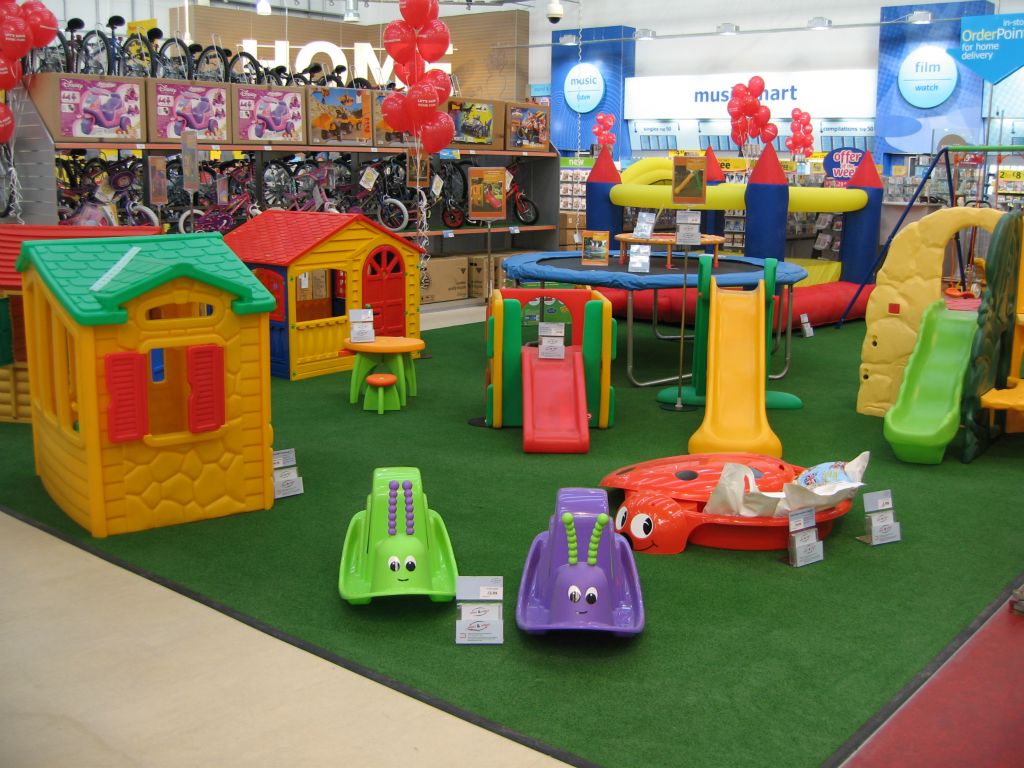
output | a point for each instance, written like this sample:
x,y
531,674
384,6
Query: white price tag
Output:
x,y
799,519
284,458
437,185
877,501
470,588
360,315
290,487
479,632
369,178
361,332
551,329
288,473
513,230
551,348
304,280
448,233
640,258
687,234
480,611
880,528
577,238
804,548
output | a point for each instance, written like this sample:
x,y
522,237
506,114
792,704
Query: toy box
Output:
x,y
175,106
90,107
263,114
478,124
446,279
383,134
340,116
527,126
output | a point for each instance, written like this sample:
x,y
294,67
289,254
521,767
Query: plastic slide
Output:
x,y
926,415
735,418
554,403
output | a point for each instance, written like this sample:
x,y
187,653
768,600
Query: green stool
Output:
x,y
382,393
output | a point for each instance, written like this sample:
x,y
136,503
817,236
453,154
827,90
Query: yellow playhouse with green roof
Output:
x,y
150,379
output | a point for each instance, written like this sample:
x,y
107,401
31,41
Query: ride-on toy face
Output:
x,y
581,592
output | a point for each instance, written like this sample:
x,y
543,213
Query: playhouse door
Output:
x,y
273,281
384,291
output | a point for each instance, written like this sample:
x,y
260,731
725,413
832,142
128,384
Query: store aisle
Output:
x,y
101,667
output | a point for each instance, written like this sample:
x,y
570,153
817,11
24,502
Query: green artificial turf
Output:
x,y
744,660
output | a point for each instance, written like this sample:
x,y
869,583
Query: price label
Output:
x,y
284,458
157,179
1011,174
577,238
551,348
290,487
479,588
880,528
222,190
437,185
448,233
508,180
189,161
369,178
878,500
513,230
799,519
804,548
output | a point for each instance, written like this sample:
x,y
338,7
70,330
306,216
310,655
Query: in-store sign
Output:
x,y
927,77
583,88
991,46
840,164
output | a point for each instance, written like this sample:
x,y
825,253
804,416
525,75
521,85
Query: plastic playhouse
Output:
x,y
580,575
397,545
556,401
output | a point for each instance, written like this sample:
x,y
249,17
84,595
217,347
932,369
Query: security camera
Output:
x,y
555,12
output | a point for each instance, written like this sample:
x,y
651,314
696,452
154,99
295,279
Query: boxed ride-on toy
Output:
x,y
263,114
340,116
478,124
175,106
383,134
527,126
90,107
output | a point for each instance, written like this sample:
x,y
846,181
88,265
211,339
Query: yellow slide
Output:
x,y
735,418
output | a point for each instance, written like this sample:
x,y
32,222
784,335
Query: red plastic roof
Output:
x,y
604,168
714,169
280,237
768,169
866,175
13,235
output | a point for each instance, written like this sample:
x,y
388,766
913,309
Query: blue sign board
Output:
x,y
582,89
991,46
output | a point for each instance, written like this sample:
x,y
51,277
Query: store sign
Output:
x,y
840,164
991,46
823,93
927,77
583,88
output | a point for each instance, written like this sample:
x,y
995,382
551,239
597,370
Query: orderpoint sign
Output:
x,y
992,46
583,88
927,77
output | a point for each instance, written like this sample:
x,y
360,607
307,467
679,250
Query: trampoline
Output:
x,y
731,272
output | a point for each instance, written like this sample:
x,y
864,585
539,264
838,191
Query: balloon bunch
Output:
x,y
22,28
603,129
801,142
418,38
750,118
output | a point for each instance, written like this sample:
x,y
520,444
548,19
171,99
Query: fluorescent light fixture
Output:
x,y
263,8
819,22
643,34
567,40
727,29
920,17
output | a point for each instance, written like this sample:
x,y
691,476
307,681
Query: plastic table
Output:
x,y
391,352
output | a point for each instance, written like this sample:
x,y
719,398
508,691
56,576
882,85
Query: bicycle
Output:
x,y
130,56
173,57
218,217
523,207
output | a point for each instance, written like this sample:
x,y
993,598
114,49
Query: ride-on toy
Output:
x,y
397,545
106,109
579,574
273,115
195,112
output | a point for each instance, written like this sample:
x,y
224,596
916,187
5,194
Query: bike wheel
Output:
x,y
278,185
137,58
526,210
211,64
53,58
176,60
95,54
243,68
138,215
455,179
453,217
392,214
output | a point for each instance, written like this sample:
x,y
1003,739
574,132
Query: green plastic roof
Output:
x,y
93,278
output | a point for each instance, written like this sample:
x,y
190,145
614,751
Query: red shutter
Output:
x,y
206,380
128,415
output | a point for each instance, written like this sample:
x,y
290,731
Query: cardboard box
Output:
x,y
479,124
173,106
447,279
383,134
90,107
340,116
262,114
527,126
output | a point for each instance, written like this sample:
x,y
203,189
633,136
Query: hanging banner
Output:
x,y
991,46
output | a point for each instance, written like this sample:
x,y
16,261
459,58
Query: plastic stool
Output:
x,y
381,393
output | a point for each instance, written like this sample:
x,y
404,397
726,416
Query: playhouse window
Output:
x,y
313,294
192,310
43,372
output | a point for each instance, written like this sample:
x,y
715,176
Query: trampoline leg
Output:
x,y
629,351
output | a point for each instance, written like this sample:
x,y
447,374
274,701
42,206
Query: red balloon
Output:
x,y
400,41
15,40
10,74
756,86
418,12
6,123
737,136
796,113
411,71
31,5
42,27
808,129
433,40
392,108
750,106
805,118
734,107
610,142
437,133
606,120
769,132
764,115
421,103
596,130
754,130
740,91
790,144
441,81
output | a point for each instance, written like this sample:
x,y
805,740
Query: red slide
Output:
x,y
554,403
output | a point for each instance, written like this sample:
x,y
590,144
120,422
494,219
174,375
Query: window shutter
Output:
x,y
206,380
128,414
6,333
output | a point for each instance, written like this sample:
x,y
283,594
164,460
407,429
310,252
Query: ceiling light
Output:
x,y
643,34
920,17
263,8
567,40
727,29
352,16
819,22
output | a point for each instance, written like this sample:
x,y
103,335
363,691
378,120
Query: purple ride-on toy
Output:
x,y
580,574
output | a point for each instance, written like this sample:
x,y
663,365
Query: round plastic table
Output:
x,y
391,352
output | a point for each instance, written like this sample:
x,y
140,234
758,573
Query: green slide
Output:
x,y
926,415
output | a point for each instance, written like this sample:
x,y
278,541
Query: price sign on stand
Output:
x,y
804,548
880,525
644,225
480,618
157,165
369,178
640,258
687,227
552,341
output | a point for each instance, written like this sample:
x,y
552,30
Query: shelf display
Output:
x,y
93,107
383,134
528,126
340,116
264,115
479,124
174,106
